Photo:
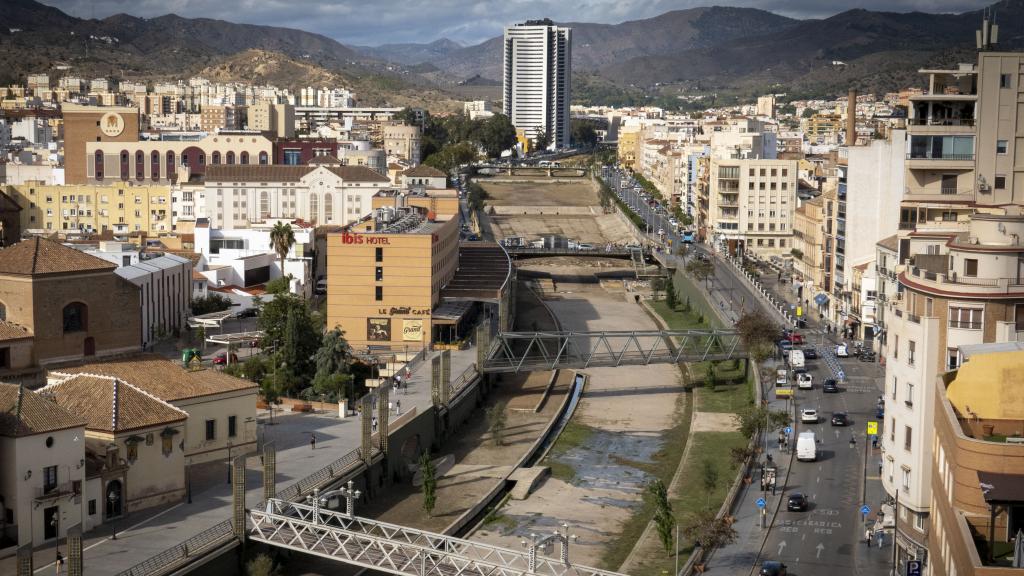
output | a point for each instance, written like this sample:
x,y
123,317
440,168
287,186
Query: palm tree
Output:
x,y
282,238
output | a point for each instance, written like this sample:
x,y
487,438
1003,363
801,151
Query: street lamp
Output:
x,y
113,498
349,493
188,479
56,538
229,462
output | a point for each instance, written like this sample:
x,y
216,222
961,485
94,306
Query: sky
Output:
x,y
375,22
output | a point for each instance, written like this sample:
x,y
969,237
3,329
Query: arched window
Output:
x,y
231,157
124,164
244,158
154,165
202,159
76,317
314,207
263,157
98,168
328,207
264,204
140,165
171,166
216,158
184,158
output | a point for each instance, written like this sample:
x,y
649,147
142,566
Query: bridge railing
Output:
x,y
180,554
317,479
462,380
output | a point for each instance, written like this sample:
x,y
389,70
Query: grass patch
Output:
x,y
677,319
663,465
496,520
725,398
561,470
572,436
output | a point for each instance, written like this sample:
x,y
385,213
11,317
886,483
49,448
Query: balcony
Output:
x,y
56,491
965,324
938,195
940,122
970,285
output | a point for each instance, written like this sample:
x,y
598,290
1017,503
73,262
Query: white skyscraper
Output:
x,y
537,67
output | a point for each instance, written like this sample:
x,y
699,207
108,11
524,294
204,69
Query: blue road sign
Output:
x,y
865,509
788,430
761,503
913,568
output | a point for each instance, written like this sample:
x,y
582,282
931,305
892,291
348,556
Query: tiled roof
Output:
x,y
891,243
163,378
92,398
325,159
283,173
37,415
424,171
40,256
11,331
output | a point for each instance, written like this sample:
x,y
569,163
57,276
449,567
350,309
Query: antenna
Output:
x,y
988,36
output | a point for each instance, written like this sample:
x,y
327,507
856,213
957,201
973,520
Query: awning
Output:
x,y
821,299
450,312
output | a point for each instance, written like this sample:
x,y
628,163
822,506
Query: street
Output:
x,y
829,535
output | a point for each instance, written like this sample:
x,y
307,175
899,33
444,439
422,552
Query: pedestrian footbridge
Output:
x,y
400,550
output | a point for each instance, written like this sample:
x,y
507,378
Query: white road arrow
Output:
x,y
819,548
781,546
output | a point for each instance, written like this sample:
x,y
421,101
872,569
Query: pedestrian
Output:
x,y
879,467
391,406
374,424
867,536
874,440
59,563
398,407
312,441
880,535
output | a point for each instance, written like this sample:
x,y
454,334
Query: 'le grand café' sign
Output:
x,y
403,310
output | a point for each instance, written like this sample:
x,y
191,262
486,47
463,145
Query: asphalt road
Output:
x,y
829,536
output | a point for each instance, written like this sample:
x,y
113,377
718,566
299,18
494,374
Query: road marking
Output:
x,y
874,477
817,480
819,548
782,545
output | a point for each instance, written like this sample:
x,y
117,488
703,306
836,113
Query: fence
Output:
x,y
463,380
181,553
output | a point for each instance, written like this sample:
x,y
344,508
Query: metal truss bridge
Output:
x,y
526,351
400,550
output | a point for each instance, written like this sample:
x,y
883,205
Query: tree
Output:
x,y
710,377
757,332
797,253
708,531
759,418
271,388
333,366
709,476
671,298
496,420
584,133
282,238
496,134
702,270
213,302
808,112
476,197
261,565
664,521
294,331
279,285
542,139
451,156
429,473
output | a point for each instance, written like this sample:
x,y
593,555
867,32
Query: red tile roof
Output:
x,y
40,256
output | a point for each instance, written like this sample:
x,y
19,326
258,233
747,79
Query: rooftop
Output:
x,y
162,378
987,387
424,171
285,173
35,415
36,256
112,405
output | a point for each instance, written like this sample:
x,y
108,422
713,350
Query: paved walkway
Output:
x,y
143,535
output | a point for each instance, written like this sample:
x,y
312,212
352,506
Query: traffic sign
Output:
x,y
865,509
761,503
872,428
913,568
799,310
788,430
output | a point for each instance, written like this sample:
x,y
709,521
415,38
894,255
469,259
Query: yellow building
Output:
x,y
120,208
629,145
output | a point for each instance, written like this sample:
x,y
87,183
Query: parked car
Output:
x,y
222,359
810,353
797,502
247,313
840,419
785,346
773,568
809,416
830,386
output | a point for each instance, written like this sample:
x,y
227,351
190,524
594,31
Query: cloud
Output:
x,y
467,21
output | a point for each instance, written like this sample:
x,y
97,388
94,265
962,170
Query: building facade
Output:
x,y
96,125
751,205
537,87
402,142
122,207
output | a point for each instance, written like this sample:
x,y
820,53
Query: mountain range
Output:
x,y
713,49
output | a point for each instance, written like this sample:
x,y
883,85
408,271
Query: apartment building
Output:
x,y
751,205
94,125
808,244
272,117
217,118
402,142
958,251
537,91
629,146
123,207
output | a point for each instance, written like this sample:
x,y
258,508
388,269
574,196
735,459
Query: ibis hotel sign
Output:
x,y
349,238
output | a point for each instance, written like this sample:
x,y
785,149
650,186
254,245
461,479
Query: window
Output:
x,y
380,273
892,429
965,318
49,479
895,384
378,293
132,450
263,158
75,317
1000,182
211,430
919,521
92,507
971,267
909,400
1001,146
911,347
906,478
908,437
952,359
1005,81
232,428
379,255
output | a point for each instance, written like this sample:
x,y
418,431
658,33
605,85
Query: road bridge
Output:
x,y
401,550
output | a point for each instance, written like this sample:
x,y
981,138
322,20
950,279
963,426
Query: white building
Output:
x,y
42,450
751,205
165,286
537,86
33,130
236,196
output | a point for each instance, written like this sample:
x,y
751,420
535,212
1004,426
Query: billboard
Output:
x,y
378,329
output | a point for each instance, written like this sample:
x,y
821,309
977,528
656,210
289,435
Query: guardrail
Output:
x,y
321,476
179,554
778,305
463,380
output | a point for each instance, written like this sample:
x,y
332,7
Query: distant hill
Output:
x,y
411,54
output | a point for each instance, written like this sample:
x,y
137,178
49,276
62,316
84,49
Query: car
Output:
x,y
830,386
785,346
805,381
772,568
781,379
797,502
840,419
222,359
795,338
842,351
809,415
810,353
253,312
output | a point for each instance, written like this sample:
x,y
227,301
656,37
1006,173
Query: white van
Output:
x,y
806,447
796,358
781,378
